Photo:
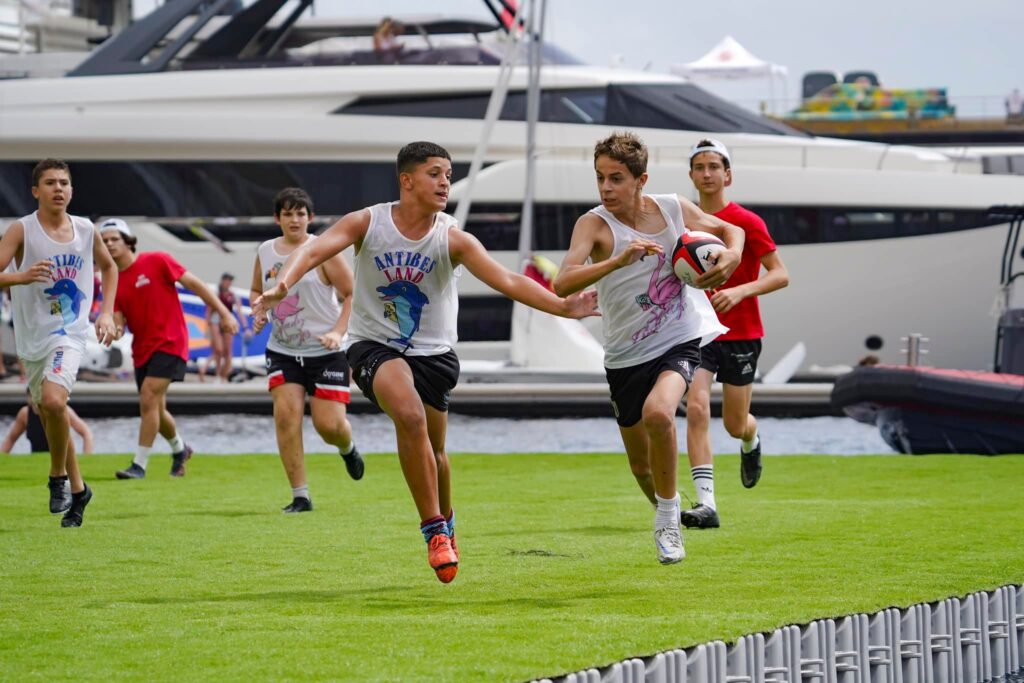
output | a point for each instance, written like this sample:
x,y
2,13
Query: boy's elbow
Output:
x,y
560,288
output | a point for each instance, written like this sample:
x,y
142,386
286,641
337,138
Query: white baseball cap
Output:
x,y
714,146
115,224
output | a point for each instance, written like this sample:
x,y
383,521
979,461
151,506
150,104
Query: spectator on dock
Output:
x,y
1015,106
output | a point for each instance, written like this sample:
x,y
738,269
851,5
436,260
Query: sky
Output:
x,y
975,49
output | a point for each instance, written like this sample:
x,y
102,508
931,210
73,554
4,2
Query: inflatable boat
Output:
x,y
933,410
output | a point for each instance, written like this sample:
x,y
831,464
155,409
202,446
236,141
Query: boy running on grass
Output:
x,y
404,324
654,325
304,353
733,356
148,303
54,254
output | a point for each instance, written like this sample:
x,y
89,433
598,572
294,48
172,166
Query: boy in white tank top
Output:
x,y
304,353
54,254
403,326
654,325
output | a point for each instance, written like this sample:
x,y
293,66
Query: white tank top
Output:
x,y
310,310
645,308
51,314
405,294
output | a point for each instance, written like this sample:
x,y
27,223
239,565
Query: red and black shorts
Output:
x,y
734,362
323,377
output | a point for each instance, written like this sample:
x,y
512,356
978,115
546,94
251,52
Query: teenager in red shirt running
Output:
x,y
732,356
147,302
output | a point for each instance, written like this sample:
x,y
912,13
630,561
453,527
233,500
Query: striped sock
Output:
x,y
450,521
704,484
432,527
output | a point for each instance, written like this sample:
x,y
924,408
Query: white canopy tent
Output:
x,y
730,60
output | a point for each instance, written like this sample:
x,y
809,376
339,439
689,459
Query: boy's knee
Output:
x,y
658,420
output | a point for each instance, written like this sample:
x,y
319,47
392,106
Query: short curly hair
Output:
x,y
626,148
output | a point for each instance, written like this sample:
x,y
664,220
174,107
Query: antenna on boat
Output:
x,y
494,105
535,29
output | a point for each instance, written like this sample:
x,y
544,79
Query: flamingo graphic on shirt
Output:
x,y
289,327
663,299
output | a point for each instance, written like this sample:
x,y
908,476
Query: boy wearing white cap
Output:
x,y
54,254
147,303
732,356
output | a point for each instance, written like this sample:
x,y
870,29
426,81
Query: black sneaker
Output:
x,y
354,464
750,466
700,517
298,505
132,472
73,517
60,494
178,461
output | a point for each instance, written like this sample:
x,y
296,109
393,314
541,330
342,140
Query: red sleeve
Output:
x,y
174,269
758,239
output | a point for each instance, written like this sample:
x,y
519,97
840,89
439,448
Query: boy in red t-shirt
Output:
x,y
732,356
147,302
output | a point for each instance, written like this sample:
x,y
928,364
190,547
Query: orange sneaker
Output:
x,y
455,546
442,558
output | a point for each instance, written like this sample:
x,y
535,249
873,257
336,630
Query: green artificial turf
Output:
x,y
204,579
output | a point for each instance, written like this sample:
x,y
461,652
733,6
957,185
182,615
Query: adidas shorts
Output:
x,y
734,362
60,366
323,377
630,386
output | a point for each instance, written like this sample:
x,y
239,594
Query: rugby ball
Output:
x,y
695,253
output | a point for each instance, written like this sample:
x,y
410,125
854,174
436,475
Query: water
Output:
x,y
227,434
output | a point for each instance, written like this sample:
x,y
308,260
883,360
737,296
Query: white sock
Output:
x,y
301,491
704,484
667,513
346,451
142,456
748,446
176,443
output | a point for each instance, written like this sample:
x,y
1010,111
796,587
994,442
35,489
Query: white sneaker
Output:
x,y
669,541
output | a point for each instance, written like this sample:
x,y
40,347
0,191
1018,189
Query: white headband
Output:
x,y
715,146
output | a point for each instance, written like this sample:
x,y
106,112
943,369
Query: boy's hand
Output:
x,y
37,272
229,324
637,250
270,298
106,331
331,340
581,304
724,300
725,265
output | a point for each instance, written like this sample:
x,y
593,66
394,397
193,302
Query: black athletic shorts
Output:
x,y
735,362
630,386
433,376
160,364
323,377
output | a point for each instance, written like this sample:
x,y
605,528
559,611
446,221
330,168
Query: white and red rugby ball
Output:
x,y
695,254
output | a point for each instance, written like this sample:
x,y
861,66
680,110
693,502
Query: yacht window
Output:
x,y
674,106
485,318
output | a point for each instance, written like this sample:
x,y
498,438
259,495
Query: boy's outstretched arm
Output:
x,y
466,250
349,230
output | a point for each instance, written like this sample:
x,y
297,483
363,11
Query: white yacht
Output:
x,y
189,121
